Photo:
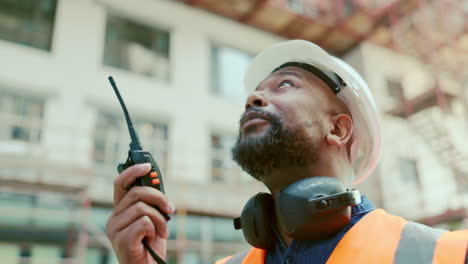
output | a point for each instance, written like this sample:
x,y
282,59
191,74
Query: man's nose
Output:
x,y
256,99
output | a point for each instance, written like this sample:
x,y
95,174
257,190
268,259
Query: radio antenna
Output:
x,y
135,144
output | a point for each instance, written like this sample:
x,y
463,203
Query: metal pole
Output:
x,y
83,233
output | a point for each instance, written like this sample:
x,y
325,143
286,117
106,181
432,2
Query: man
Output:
x,y
309,114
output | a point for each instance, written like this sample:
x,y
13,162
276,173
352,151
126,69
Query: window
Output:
x,y
111,140
41,253
296,6
201,231
25,251
395,90
192,257
9,252
98,216
136,47
223,231
97,256
47,210
223,168
349,7
193,230
409,171
171,256
28,22
21,117
316,9
228,68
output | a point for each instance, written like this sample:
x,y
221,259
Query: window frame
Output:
x,y
148,24
214,77
52,29
404,178
33,124
397,97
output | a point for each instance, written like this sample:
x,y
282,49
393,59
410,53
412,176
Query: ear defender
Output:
x,y
315,208
310,209
256,221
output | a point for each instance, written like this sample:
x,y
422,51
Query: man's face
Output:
x,y
283,124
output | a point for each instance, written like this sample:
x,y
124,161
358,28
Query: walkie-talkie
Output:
x,y
136,155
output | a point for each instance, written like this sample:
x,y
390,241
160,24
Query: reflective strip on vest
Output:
x,y
417,244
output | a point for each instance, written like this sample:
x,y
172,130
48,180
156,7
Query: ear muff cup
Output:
x,y
299,213
309,209
256,220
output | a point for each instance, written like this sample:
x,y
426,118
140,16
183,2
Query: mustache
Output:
x,y
273,117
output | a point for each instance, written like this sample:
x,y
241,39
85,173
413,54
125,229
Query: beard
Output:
x,y
277,147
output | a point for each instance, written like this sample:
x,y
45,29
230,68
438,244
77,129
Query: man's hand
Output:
x,y
134,218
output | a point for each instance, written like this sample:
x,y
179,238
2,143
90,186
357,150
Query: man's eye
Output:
x,y
286,84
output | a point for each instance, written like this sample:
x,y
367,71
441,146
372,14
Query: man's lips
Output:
x,y
251,118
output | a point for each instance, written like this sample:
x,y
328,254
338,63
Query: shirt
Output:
x,y
315,251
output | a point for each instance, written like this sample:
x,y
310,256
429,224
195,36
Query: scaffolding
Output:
x,y
336,25
68,216
438,41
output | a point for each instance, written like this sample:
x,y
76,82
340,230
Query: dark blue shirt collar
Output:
x,y
364,207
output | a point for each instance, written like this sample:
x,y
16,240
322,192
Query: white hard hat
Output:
x,y
354,92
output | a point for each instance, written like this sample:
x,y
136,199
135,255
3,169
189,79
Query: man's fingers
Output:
x,y
126,178
138,210
147,195
131,237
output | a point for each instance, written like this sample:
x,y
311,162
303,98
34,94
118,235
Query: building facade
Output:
x,y
179,70
422,174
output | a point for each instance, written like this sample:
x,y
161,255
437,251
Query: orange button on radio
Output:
x,y
155,181
153,174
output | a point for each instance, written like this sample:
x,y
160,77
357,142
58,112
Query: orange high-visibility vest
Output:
x,y
385,239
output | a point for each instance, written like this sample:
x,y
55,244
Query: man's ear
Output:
x,y
341,131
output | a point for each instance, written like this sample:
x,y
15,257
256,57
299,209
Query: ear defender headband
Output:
x,y
310,209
